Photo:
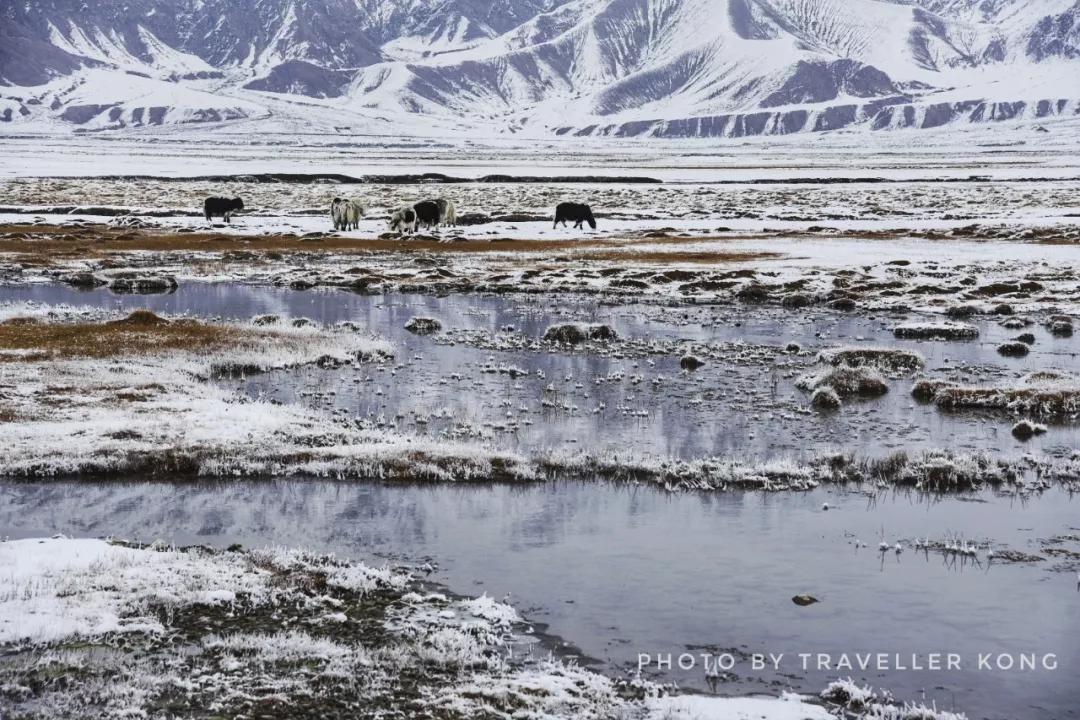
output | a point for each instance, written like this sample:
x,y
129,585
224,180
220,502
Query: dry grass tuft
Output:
x,y
45,245
936,331
846,381
19,321
888,359
140,333
141,318
1037,401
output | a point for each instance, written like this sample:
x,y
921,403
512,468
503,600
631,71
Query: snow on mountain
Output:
x,y
669,68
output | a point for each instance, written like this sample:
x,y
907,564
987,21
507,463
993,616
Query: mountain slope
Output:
x,y
622,67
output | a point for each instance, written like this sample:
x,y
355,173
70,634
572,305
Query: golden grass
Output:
x,y
44,245
140,333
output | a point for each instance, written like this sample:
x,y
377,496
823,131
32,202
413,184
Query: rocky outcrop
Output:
x,y
894,113
816,82
297,77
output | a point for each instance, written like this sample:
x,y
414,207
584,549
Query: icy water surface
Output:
x,y
622,570
745,405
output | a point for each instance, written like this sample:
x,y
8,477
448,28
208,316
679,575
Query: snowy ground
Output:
x,y
148,407
135,410
105,629
889,205
960,271
1031,270
999,151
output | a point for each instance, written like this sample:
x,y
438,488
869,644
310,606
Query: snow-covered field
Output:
x,y
107,629
1001,152
809,386
773,317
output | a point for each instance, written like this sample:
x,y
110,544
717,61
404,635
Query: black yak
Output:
x,y
428,213
403,220
408,219
574,211
219,206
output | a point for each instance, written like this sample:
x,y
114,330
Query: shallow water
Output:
x,y
623,570
748,407
620,570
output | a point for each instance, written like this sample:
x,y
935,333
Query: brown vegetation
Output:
x,y
140,333
43,245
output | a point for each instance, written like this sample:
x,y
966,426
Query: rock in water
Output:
x,y
568,334
804,600
1013,349
130,283
689,362
1026,429
825,398
602,333
423,326
83,280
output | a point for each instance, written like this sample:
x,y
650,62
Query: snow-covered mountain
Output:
x,y
666,68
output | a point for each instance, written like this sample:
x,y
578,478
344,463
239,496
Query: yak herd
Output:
x,y
345,214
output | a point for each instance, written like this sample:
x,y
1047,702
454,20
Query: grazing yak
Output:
x,y
403,221
426,213
223,207
447,212
574,211
346,214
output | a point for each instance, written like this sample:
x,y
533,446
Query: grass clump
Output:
x,y
573,334
936,331
846,381
142,332
887,359
1013,349
1044,394
825,398
1026,429
926,389
423,325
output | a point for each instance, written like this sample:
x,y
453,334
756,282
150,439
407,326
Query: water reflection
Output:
x,y
622,570
750,410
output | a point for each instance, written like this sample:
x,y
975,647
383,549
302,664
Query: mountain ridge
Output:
x,y
640,68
